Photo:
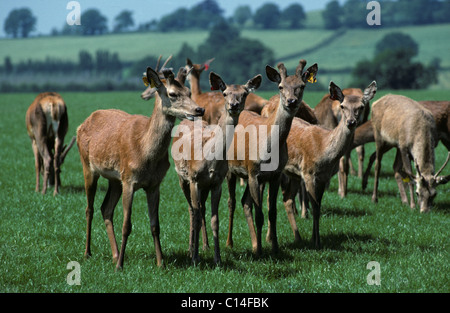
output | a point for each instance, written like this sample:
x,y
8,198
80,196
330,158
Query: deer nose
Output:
x,y
200,111
234,106
292,102
351,123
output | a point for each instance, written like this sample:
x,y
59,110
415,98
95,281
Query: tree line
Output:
x,y
206,13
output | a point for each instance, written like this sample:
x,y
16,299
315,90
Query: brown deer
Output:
x,y
47,123
441,114
199,177
213,102
315,152
131,152
262,168
405,124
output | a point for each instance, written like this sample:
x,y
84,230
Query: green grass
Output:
x,y
40,234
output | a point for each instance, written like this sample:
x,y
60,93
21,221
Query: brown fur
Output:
x,y
47,123
131,152
199,177
291,93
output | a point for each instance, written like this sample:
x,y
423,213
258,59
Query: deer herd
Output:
x,y
299,149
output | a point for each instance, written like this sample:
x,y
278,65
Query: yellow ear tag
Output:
x,y
145,80
406,180
312,79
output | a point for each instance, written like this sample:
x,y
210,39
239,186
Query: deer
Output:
x,y
328,114
402,123
441,113
47,123
262,168
315,152
213,102
199,177
131,152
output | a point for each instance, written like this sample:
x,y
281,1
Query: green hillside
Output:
x,y
330,49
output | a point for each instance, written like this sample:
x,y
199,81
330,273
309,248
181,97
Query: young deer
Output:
x,y
315,153
403,123
198,177
213,102
131,152
269,132
47,123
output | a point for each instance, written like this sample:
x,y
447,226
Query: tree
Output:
x,y
20,22
93,22
177,20
85,61
206,14
242,14
398,41
354,14
123,21
331,15
294,16
267,16
394,68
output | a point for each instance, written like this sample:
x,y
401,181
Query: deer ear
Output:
x,y
216,82
254,83
272,74
181,76
370,91
169,76
336,92
153,78
310,74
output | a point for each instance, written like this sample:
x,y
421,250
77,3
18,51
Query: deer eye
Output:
x,y
280,87
172,95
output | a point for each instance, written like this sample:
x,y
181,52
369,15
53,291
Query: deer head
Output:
x,y
291,87
150,91
353,106
175,97
197,69
426,186
235,95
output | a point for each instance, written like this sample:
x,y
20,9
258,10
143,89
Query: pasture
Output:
x,y
41,234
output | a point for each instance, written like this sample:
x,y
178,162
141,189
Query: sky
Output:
x,y
52,13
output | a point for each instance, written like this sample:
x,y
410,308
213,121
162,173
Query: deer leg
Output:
x,y
247,204
289,204
109,203
153,212
408,170
127,201
256,191
398,174
216,193
367,172
90,185
343,174
196,222
203,198
274,185
379,155
304,199
361,154
57,164
187,193
47,160
231,182
315,193
37,163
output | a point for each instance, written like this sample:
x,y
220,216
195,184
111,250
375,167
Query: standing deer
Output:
x,y
131,152
47,123
213,102
198,177
150,91
403,123
315,153
268,130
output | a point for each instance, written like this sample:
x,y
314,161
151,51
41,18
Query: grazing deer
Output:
x,y
213,102
315,152
405,124
441,114
47,123
260,169
198,177
131,152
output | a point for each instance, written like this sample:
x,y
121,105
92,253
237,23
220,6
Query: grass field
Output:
x,y
40,235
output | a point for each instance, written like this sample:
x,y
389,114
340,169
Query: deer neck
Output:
x,y
340,140
194,82
283,119
226,124
156,140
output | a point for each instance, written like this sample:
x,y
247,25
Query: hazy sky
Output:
x,y
52,13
